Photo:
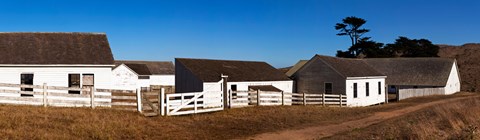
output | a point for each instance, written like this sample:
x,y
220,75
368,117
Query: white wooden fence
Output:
x,y
319,99
258,98
418,92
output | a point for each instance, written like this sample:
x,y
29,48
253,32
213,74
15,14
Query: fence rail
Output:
x,y
259,98
319,99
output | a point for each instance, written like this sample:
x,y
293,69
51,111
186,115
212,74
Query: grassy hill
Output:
x,y
468,58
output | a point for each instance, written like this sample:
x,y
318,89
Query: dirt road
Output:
x,y
317,132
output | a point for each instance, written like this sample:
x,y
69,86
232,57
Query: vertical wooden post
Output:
x,y
283,98
225,91
139,100
340,100
92,97
323,99
229,98
304,99
195,105
44,94
161,102
386,93
258,97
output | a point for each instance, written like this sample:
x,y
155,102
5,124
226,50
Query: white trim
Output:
x,y
369,77
53,65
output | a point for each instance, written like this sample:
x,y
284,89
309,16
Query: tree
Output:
x,y
351,26
405,47
364,48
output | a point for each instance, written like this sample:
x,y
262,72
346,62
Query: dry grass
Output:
x,y
28,122
456,120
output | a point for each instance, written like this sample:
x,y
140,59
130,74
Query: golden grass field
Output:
x,y
31,122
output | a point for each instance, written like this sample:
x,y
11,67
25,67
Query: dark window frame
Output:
x,y
74,81
28,81
328,91
379,88
367,89
355,90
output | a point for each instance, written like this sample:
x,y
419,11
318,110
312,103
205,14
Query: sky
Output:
x,y
280,32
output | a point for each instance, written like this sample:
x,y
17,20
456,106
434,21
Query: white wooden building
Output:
x,y
197,75
143,74
362,85
411,77
77,60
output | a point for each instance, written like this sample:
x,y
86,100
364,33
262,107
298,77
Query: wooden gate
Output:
x,y
192,103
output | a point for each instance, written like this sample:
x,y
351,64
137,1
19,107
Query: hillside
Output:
x,y
468,56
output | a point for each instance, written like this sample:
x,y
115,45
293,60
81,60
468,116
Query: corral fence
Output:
x,y
319,99
258,98
418,92
62,96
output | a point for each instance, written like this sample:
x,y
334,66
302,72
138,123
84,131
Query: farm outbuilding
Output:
x,y
73,60
354,78
144,74
196,75
410,77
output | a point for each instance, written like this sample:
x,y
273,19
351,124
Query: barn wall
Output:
x,y
124,78
285,86
312,77
164,80
362,100
453,82
185,81
56,76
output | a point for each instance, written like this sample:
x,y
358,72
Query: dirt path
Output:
x,y
317,132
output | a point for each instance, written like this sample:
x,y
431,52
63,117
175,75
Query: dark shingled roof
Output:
x,y
296,67
237,71
264,88
350,67
414,71
55,48
140,69
155,67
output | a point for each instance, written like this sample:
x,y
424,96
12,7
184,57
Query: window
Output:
x,y
26,79
88,80
328,88
379,88
367,89
74,82
355,90
233,87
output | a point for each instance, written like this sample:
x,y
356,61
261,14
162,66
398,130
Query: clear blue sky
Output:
x,y
279,32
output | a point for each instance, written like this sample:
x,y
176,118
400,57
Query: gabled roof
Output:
x,y
210,70
140,69
264,88
414,71
55,48
296,67
348,67
154,67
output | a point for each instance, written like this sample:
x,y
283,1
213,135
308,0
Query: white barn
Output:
x,y
411,77
197,75
57,59
143,74
354,78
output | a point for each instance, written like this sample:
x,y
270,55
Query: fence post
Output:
x,y
323,99
304,99
92,97
340,100
139,100
44,94
229,98
258,97
161,101
283,98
